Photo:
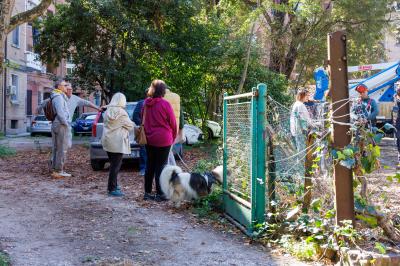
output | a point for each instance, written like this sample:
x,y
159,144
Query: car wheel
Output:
x,y
210,134
97,165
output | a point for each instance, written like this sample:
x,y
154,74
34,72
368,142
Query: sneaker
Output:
x,y
160,198
148,196
142,172
116,193
58,175
65,174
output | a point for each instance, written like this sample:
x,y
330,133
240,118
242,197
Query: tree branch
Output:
x,y
28,15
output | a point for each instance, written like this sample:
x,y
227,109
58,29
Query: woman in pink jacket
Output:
x,y
161,129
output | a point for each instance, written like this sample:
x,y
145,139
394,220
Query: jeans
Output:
x,y
301,145
398,141
115,165
156,160
143,158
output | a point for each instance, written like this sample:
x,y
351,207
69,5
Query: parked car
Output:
x,y
40,125
192,134
83,124
98,156
213,129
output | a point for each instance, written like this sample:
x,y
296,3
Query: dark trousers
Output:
x,y
115,165
156,159
143,158
398,140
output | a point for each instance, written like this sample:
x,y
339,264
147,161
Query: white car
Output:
x,y
214,129
192,134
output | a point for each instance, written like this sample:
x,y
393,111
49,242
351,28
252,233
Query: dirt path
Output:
x,y
73,222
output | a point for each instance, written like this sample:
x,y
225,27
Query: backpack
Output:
x,y
49,111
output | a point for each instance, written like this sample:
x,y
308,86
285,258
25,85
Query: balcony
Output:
x,y
31,4
32,61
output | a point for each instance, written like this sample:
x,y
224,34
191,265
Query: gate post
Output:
x,y
258,155
224,146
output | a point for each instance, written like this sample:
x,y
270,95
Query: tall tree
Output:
x,y
8,22
197,47
297,30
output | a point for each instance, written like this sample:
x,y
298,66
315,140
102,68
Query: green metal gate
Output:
x,y
244,158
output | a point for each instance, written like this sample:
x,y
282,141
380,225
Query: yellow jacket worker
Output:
x,y
175,101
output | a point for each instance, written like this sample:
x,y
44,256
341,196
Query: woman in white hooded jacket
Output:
x,y
300,120
115,139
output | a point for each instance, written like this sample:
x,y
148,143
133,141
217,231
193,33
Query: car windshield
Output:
x,y
86,116
90,117
130,107
40,118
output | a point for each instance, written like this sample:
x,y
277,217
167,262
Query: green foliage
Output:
x,y
122,45
6,151
297,32
393,177
4,259
301,249
380,247
211,205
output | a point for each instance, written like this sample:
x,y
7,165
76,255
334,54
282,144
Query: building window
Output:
x,y
39,98
46,95
70,71
14,87
29,102
14,124
15,37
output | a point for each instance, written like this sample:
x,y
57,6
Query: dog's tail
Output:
x,y
168,174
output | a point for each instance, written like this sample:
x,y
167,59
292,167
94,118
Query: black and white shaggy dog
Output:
x,y
179,186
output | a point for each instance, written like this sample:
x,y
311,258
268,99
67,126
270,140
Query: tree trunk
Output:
x,y
8,23
246,63
2,41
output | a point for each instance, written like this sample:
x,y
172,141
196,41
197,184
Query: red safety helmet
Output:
x,y
361,88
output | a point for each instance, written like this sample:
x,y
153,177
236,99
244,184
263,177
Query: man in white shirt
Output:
x,y
73,101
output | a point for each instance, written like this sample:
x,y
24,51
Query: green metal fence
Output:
x,y
244,158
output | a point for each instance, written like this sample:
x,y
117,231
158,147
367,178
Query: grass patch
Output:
x,y
4,259
300,249
6,151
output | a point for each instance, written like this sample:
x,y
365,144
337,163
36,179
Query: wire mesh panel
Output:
x,y
289,157
239,148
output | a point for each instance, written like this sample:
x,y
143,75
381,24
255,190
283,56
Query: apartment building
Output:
x,y
26,80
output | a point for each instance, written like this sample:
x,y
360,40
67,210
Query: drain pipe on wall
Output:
x,y
4,90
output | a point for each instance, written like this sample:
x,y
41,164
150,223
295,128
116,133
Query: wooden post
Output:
x,y
339,91
308,173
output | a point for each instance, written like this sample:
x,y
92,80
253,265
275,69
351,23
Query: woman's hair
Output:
x,y
159,88
301,94
118,100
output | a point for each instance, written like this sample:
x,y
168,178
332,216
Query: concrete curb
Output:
x,y
18,135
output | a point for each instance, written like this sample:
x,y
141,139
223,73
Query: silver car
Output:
x,y
98,156
40,125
